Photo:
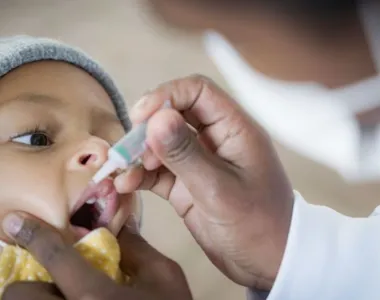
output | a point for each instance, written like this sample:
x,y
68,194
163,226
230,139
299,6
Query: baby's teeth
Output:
x,y
91,201
102,203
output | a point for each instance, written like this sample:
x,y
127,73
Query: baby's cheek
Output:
x,y
39,194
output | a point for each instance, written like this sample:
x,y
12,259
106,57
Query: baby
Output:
x,y
59,114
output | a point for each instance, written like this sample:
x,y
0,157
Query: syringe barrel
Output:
x,y
132,145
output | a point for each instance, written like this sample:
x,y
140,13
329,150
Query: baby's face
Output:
x,y
56,126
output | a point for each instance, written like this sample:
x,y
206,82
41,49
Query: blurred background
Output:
x,y
140,52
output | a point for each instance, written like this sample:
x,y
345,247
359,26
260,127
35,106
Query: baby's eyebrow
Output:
x,y
32,98
51,101
105,115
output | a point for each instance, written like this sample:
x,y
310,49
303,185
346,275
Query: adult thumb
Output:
x,y
177,147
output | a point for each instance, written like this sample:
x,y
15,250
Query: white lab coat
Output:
x,y
317,122
328,255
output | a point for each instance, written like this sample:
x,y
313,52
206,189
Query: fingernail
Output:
x,y
167,104
141,105
12,224
146,104
132,224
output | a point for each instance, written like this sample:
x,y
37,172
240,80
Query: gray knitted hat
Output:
x,y
19,50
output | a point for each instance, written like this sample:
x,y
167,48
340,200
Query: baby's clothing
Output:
x,y
99,247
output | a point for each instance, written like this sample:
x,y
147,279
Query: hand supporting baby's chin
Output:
x,y
100,248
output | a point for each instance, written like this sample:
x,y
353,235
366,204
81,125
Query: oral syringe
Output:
x,y
124,153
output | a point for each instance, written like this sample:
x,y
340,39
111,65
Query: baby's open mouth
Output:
x,y
95,208
87,217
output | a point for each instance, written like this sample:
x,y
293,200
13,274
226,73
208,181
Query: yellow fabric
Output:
x,y
99,247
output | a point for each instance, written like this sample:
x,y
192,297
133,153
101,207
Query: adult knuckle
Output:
x,y
48,247
182,149
45,244
38,238
202,84
173,267
29,232
167,88
52,253
200,78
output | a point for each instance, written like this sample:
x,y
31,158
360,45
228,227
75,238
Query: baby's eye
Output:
x,y
35,139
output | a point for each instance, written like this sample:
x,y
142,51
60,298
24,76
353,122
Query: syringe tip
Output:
x,y
107,169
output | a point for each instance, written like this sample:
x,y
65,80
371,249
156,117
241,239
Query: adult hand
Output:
x,y
154,277
222,176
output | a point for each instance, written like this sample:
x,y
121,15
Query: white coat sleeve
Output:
x,y
328,256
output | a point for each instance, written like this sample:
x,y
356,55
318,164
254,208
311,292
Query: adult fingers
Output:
x,y
142,261
204,105
182,153
152,162
155,177
31,291
198,97
130,181
158,181
72,273
176,145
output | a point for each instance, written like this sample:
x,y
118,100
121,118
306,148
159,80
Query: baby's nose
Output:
x,y
92,155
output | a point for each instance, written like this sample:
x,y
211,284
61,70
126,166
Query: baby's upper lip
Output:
x,y
100,190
